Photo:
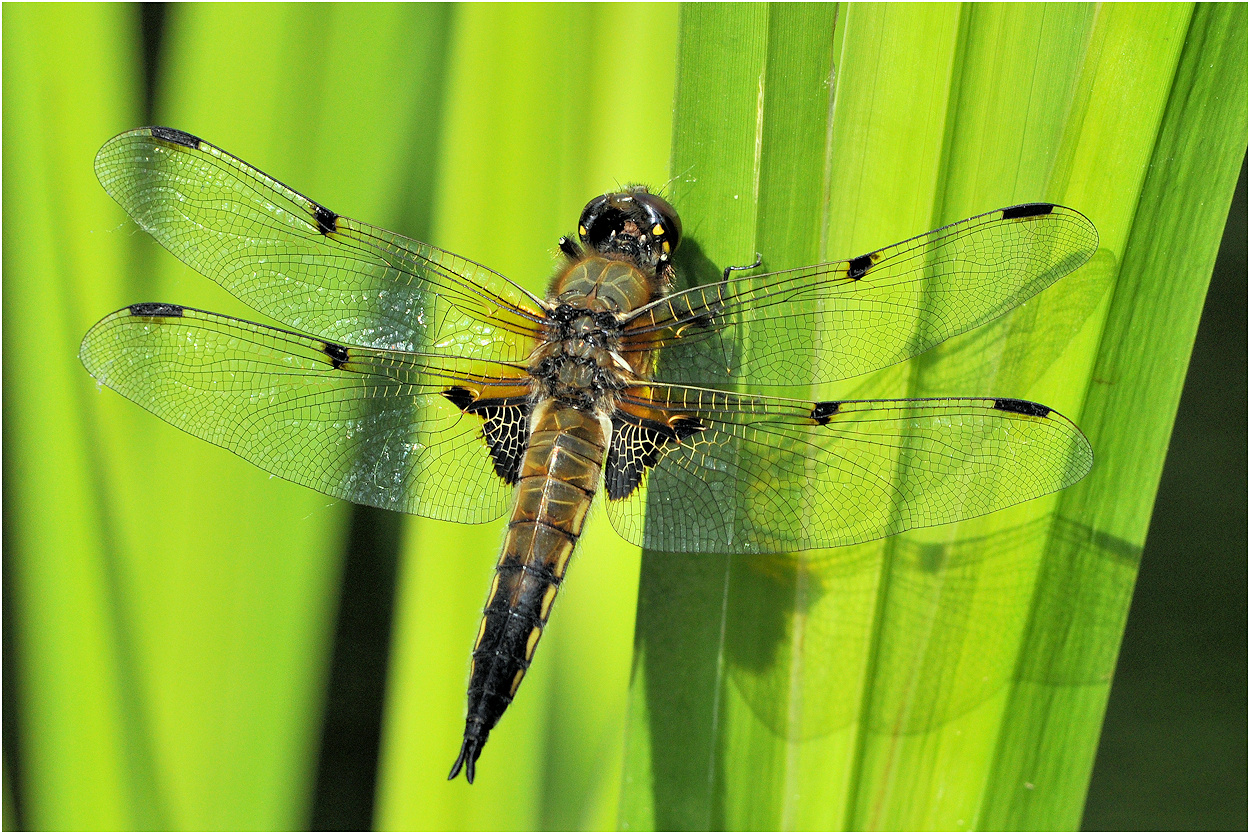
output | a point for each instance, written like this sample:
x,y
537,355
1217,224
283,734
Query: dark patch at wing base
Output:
x,y
636,446
504,429
504,424
169,311
461,398
634,449
1029,409
686,427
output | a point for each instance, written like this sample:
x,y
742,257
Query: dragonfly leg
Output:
x,y
759,259
570,249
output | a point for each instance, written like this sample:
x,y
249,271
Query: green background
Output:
x,y
190,644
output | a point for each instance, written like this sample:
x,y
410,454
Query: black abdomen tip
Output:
x,y
469,751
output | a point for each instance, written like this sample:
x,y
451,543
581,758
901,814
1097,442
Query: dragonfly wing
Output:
x,y
390,429
735,473
300,263
838,320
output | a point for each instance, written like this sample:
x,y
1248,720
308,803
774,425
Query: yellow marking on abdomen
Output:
x,y
562,562
548,597
535,633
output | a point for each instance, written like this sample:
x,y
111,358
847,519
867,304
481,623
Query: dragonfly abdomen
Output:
x,y
559,475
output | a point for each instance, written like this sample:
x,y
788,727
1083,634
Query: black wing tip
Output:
x,y
178,137
1028,210
156,310
469,751
1025,407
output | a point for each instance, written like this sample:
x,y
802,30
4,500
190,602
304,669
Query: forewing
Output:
x,y
751,474
300,263
838,320
372,426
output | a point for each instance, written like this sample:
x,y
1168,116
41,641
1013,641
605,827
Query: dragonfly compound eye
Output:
x,y
635,223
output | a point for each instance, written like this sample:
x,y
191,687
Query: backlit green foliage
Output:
x,y
172,607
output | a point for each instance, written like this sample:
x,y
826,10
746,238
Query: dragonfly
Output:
x,y
413,379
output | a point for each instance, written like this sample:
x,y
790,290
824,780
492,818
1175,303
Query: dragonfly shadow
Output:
x,y
906,637
693,266
1009,354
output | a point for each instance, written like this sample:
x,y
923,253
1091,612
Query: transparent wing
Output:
x,y
837,320
300,263
751,474
366,425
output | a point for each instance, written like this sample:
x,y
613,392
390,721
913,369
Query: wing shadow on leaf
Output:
x,y
798,632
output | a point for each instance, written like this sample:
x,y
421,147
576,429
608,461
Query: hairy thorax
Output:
x,y
579,364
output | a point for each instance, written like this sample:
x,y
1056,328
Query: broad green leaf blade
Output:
x,y
259,602
172,675
536,123
218,586
880,686
949,625
218,627
724,124
87,757
1084,590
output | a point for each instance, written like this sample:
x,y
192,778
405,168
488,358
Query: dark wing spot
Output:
x,y
148,311
821,412
1028,210
177,137
1021,407
337,354
461,398
857,268
327,221
686,427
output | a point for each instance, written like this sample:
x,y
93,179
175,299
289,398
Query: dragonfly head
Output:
x,y
635,224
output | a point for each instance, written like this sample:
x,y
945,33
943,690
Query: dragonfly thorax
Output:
x,y
579,365
601,284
